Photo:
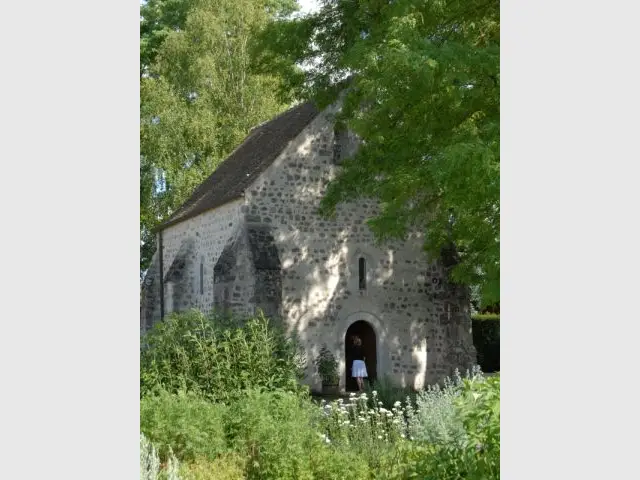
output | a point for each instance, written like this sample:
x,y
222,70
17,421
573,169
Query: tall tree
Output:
x,y
424,98
198,95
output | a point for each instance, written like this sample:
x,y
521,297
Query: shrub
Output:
x,y
150,463
436,419
477,405
388,393
362,426
275,431
149,460
186,424
228,466
330,463
327,367
486,339
193,352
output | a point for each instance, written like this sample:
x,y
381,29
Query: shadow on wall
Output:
x,y
315,256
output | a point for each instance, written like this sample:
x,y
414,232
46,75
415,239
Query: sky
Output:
x,y
307,6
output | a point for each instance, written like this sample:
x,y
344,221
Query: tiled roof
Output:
x,y
258,151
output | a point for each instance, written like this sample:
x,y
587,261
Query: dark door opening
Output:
x,y
365,331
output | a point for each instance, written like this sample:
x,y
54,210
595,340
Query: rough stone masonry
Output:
x,y
250,237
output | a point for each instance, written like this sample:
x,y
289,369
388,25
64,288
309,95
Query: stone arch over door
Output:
x,y
367,334
381,335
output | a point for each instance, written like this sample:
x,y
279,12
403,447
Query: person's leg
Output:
x,y
360,384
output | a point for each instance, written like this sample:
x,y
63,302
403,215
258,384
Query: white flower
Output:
x,y
379,437
352,394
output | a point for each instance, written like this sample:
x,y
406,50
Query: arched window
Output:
x,y
362,273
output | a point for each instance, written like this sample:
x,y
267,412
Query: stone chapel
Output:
x,y
250,237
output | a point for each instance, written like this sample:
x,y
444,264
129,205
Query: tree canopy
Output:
x,y
423,96
199,95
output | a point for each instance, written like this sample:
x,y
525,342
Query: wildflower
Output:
x,y
379,437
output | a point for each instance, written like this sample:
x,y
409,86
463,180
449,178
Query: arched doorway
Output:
x,y
365,331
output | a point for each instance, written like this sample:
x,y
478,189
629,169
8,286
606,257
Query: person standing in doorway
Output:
x,y
359,368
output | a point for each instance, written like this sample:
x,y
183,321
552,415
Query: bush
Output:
x,y
476,458
193,352
226,467
327,367
330,463
362,426
436,419
150,463
149,460
479,407
388,393
186,424
275,431
486,339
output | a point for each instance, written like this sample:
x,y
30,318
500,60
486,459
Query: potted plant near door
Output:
x,y
328,370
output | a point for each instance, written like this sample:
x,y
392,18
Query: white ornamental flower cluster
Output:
x,y
361,418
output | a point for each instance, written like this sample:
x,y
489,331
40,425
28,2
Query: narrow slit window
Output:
x,y
362,273
201,279
338,140
226,298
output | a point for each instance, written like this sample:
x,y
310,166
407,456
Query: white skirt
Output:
x,y
359,369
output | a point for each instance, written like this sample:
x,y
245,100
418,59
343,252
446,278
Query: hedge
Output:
x,y
486,339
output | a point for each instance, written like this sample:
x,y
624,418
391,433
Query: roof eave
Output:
x,y
194,213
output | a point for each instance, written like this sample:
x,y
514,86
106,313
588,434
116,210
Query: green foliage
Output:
x,y
424,97
388,393
476,458
186,424
274,431
197,353
150,468
486,339
327,367
363,426
228,466
329,463
486,316
283,435
198,96
436,420
479,407
149,460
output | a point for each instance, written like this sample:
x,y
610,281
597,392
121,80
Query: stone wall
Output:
x,y
281,256
421,335
188,245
